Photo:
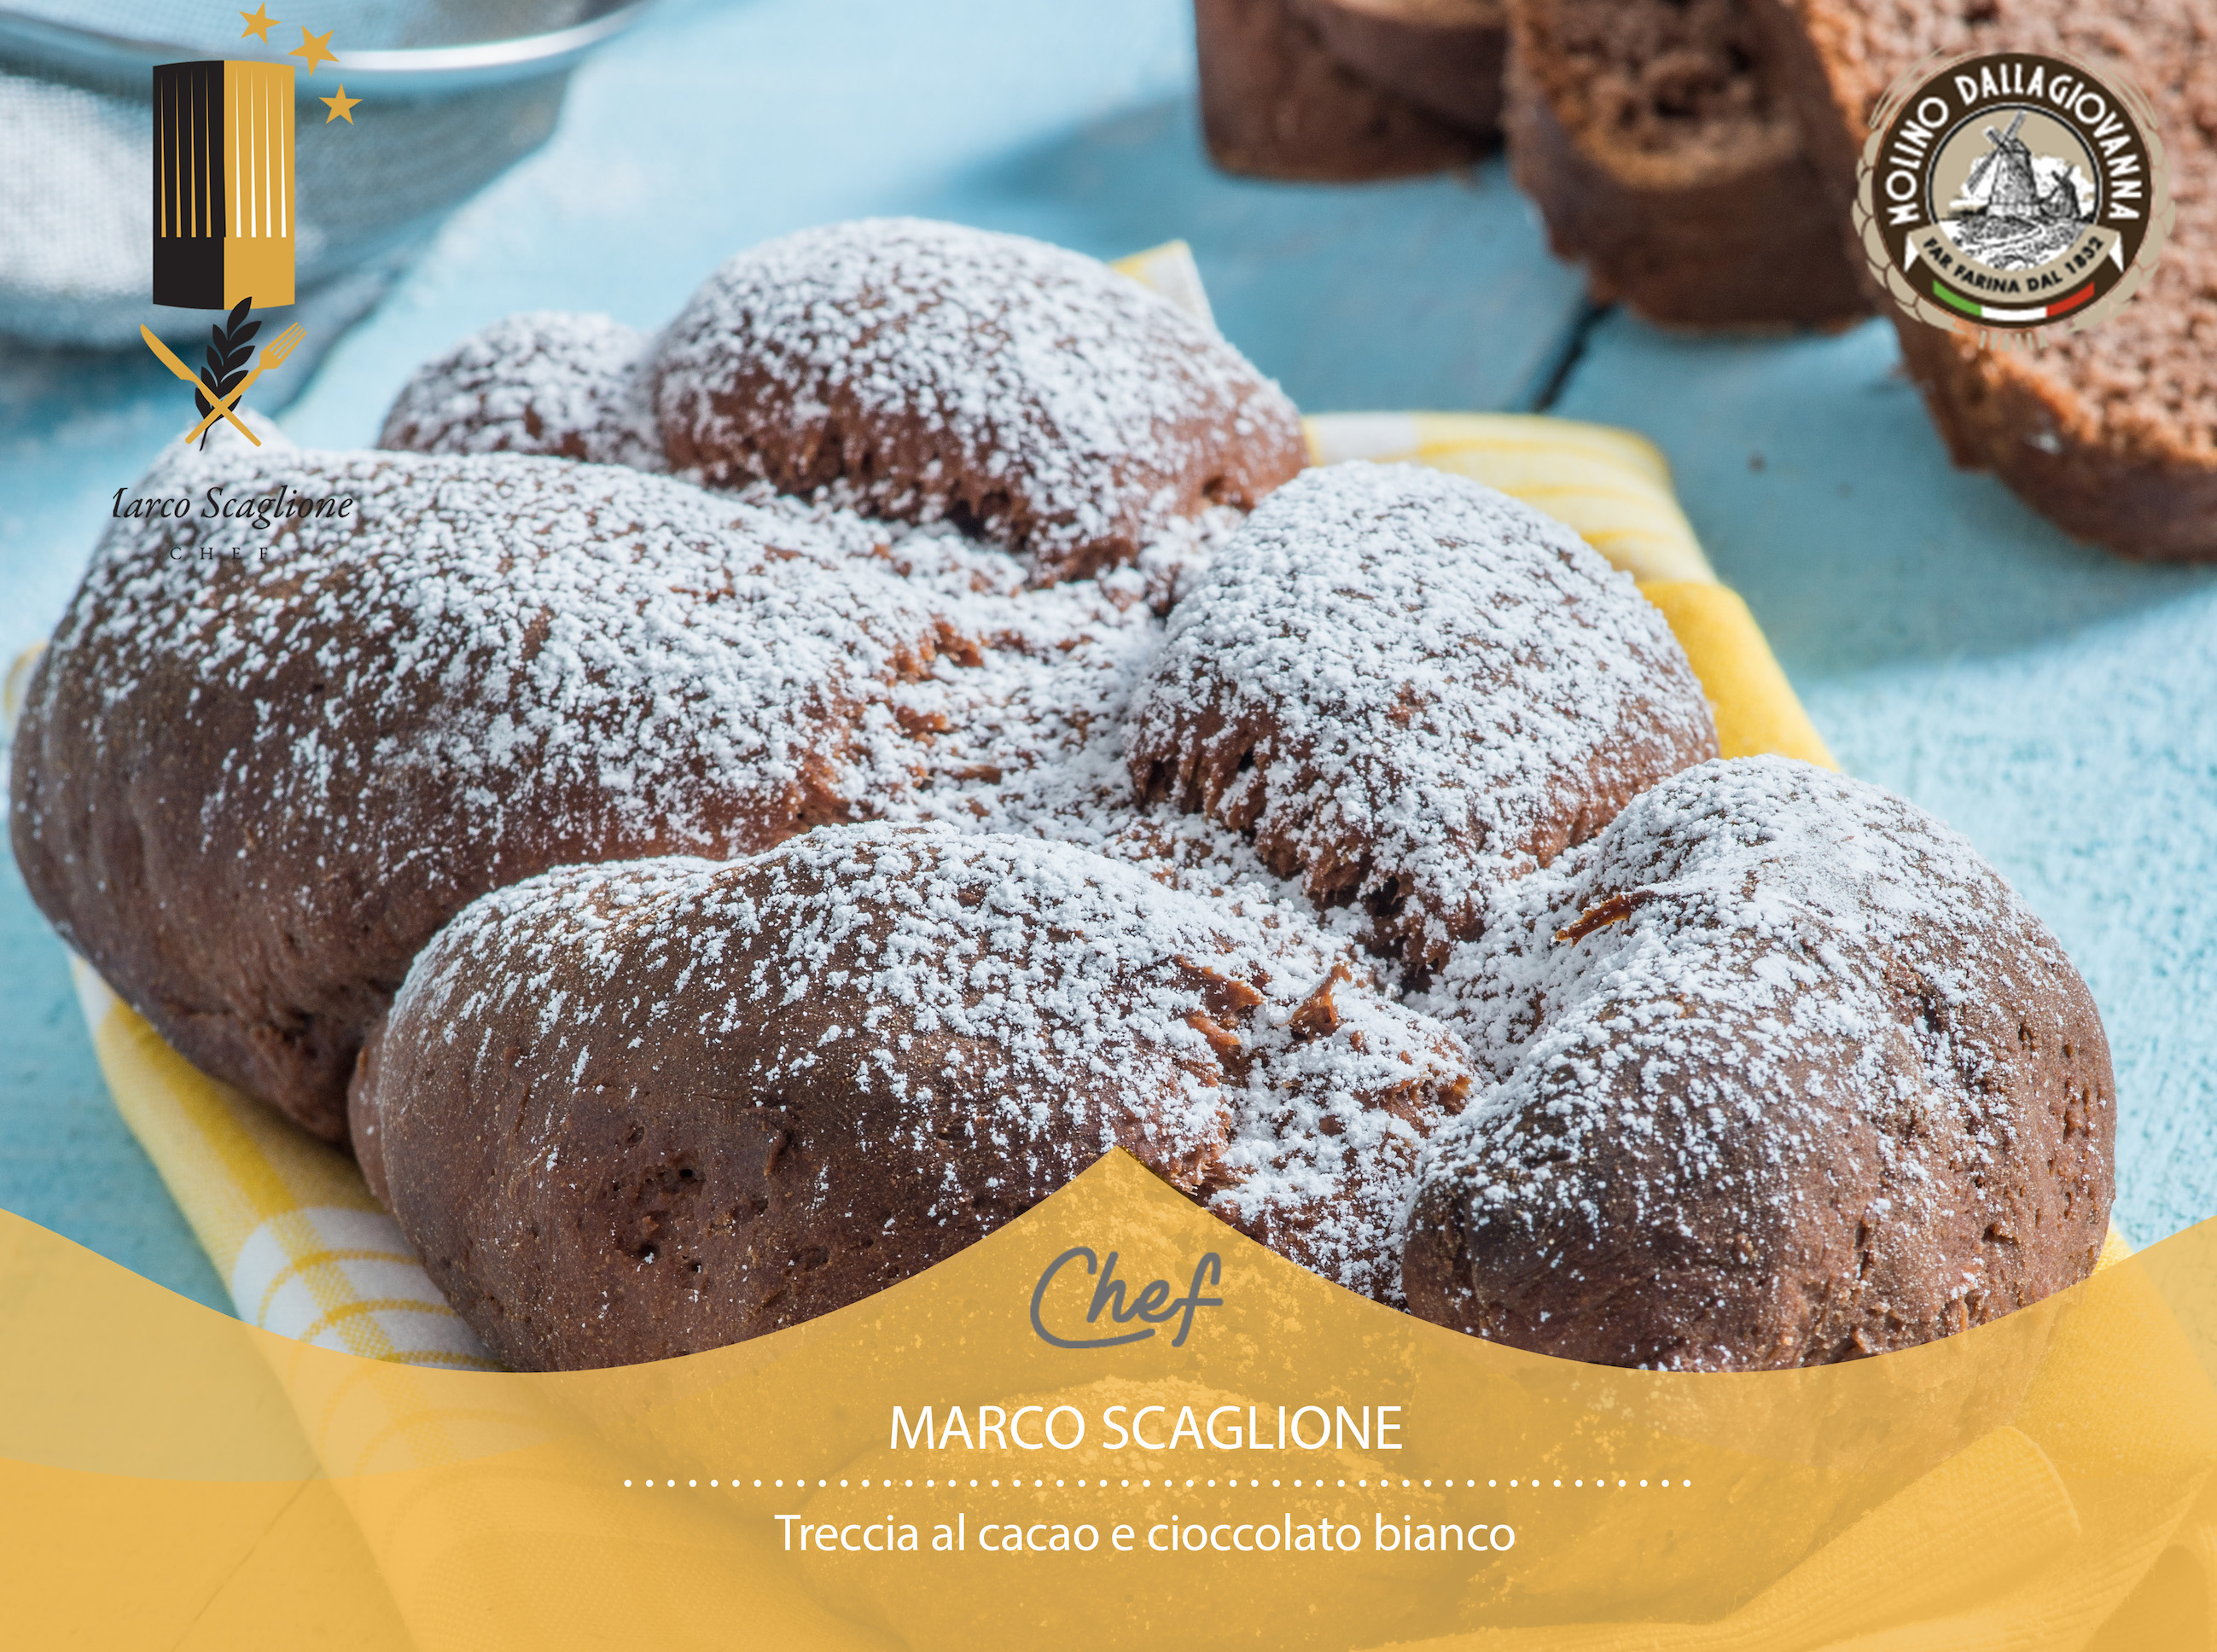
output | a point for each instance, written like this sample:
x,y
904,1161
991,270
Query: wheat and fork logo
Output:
x,y
224,209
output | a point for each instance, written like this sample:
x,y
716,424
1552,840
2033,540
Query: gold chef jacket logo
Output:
x,y
226,207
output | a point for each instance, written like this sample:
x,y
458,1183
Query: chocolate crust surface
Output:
x,y
546,382
1409,690
1785,1074
634,1111
927,372
248,787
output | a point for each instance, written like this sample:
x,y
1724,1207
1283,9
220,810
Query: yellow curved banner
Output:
x,y
1114,1422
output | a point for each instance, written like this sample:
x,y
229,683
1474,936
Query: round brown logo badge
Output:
x,y
2013,191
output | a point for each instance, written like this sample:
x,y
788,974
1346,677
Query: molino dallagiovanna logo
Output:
x,y
224,207
2012,191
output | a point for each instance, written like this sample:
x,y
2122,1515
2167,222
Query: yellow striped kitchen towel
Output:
x,y
288,1221
289,1224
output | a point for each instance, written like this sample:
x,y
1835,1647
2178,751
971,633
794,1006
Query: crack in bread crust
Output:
x,y
1408,692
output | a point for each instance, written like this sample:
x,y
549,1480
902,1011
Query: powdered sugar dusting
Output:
x,y
542,382
1702,876
925,371
1078,1004
1409,689
507,649
1759,974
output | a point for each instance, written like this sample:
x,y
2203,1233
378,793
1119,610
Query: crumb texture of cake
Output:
x,y
1409,689
247,788
1667,160
925,372
542,382
1774,1072
2111,430
633,1110
1677,87
1342,90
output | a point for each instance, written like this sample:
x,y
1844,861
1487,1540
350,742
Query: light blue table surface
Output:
x,y
2058,706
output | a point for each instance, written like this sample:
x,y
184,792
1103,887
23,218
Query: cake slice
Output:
x,y
1665,157
1340,90
2111,432
1444,56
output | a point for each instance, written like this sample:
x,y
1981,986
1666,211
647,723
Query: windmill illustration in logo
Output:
x,y
2016,209
2017,193
2045,204
226,208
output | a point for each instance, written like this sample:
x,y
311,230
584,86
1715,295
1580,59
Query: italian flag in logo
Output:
x,y
1995,312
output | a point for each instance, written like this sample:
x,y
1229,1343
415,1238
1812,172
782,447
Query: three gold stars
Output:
x,y
316,48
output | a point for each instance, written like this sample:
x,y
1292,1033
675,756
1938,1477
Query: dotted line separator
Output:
x,y
1017,1484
